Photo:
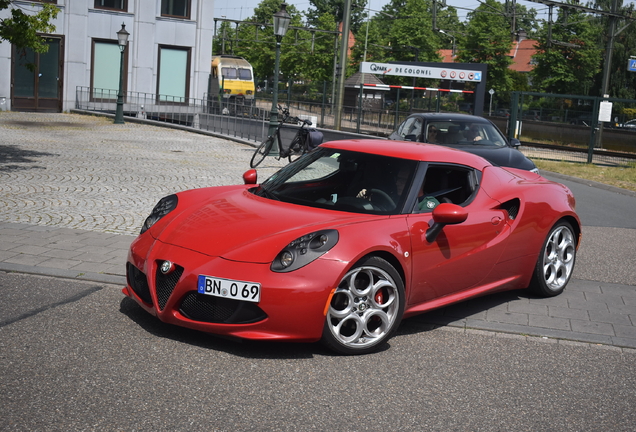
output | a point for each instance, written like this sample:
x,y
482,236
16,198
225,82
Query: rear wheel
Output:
x,y
263,150
296,149
366,308
556,261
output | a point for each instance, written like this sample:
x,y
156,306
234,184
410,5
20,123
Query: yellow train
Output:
x,y
233,78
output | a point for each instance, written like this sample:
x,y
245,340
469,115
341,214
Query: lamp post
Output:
x,y
122,41
281,23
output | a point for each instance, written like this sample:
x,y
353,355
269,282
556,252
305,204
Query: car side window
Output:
x,y
410,129
446,184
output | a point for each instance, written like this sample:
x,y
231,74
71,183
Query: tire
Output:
x,y
296,149
556,261
262,151
366,308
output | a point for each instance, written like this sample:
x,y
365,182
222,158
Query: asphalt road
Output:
x,y
86,358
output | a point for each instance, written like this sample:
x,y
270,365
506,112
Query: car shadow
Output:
x,y
458,314
455,315
233,346
14,158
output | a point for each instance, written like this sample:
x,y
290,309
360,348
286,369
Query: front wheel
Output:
x,y
262,151
556,261
365,309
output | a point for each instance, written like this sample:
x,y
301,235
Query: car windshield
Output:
x,y
463,133
343,180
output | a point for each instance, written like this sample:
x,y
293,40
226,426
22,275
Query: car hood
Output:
x,y
240,226
502,156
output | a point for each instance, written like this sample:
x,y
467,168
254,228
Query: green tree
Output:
x,y
335,8
257,44
22,30
569,54
403,31
622,83
487,40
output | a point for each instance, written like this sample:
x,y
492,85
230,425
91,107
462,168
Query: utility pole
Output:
x,y
344,48
607,67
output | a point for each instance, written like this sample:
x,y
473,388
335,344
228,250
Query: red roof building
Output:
x,y
521,54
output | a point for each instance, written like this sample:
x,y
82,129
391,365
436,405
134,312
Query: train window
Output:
x,y
229,73
245,74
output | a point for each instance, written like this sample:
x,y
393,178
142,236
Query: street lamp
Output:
x,y
122,41
281,23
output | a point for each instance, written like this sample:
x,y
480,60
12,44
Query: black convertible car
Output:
x,y
473,134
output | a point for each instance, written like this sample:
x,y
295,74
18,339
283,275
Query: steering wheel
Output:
x,y
381,199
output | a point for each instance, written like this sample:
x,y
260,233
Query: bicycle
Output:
x,y
300,144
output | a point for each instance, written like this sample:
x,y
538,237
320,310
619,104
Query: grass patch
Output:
x,y
622,177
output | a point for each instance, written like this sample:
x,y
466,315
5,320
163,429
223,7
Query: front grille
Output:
x,y
138,282
165,283
210,309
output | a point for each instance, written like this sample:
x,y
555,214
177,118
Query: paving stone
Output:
x,y
624,331
610,318
60,263
528,308
587,305
549,322
31,250
608,299
565,312
507,317
24,259
592,327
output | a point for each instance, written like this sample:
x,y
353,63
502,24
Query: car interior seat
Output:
x,y
454,135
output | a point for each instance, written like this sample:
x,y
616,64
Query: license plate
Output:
x,y
227,288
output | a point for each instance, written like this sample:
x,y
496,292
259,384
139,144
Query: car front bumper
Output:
x,y
292,305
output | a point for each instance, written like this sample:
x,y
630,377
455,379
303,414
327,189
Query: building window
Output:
x,y
120,5
173,82
175,8
105,70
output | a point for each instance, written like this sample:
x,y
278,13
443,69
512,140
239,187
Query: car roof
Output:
x,y
410,150
466,118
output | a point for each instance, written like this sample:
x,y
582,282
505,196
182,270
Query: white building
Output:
x,y
168,53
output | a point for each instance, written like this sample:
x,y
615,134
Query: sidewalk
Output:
x,y
74,191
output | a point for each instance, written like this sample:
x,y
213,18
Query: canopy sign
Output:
x,y
408,70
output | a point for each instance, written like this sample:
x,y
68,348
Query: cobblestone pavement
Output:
x,y
87,173
75,189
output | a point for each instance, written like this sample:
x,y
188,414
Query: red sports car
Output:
x,y
342,244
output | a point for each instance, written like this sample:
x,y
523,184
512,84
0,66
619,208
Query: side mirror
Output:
x,y
445,214
410,138
250,177
514,142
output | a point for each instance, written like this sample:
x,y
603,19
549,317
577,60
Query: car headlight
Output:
x,y
163,207
304,250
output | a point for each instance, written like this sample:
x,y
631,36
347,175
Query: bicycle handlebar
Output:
x,y
286,116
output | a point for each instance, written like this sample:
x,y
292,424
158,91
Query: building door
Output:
x,y
39,87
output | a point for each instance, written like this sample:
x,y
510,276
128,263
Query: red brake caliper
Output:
x,y
379,297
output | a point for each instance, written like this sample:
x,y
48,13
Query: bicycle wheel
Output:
x,y
297,148
262,151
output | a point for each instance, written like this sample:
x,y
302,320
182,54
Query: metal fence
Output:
x,y
546,136
245,121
